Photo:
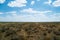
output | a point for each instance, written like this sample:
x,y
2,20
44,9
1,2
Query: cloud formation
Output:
x,y
31,10
56,3
2,1
48,2
17,3
35,16
33,2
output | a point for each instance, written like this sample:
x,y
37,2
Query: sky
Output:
x,y
29,10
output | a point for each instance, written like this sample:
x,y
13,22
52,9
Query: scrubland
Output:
x,y
29,30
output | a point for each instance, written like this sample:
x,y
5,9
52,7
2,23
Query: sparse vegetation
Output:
x,y
29,31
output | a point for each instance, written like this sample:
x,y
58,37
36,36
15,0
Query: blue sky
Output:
x,y
29,10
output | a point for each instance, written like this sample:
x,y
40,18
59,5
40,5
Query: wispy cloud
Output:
x,y
48,2
13,13
35,13
1,13
17,3
31,10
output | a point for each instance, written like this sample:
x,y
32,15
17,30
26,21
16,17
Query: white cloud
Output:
x,y
1,12
23,18
33,2
2,1
48,2
56,3
13,13
31,10
17,3
29,18
32,16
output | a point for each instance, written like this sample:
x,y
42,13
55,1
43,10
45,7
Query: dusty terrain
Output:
x,y
29,31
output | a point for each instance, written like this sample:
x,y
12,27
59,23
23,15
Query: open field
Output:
x,y
29,30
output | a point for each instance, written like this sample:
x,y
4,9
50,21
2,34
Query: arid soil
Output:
x,y
29,31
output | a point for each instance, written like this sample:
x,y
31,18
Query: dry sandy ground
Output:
x,y
30,31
